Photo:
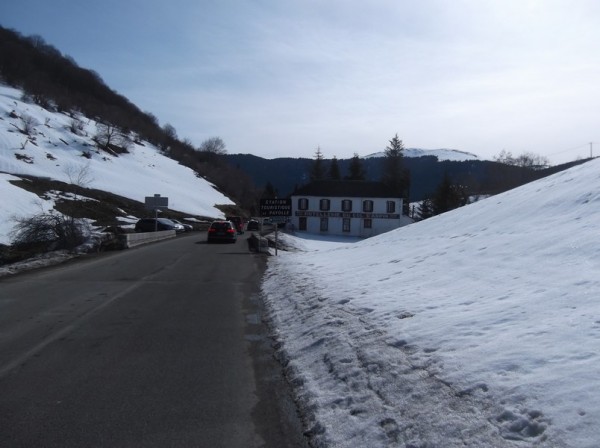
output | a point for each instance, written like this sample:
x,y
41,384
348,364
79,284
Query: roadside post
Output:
x,y
278,209
155,203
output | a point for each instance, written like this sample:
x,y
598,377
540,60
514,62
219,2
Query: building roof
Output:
x,y
345,188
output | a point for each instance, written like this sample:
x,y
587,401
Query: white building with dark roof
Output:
x,y
349,208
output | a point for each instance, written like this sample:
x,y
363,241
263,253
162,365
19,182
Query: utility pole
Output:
x,y
591,144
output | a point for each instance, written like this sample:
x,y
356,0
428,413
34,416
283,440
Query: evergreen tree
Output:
x,y
334,169
318,170
356,170
269,192
426,209
448,196
394,174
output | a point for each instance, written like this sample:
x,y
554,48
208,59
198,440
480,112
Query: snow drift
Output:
x,y
478,327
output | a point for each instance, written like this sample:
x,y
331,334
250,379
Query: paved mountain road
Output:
x,y
157,346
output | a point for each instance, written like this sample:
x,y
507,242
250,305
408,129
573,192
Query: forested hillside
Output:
x,y
426,173
55,82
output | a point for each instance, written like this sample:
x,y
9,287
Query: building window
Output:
x,y
302,204
346,225
368,223
302,223
324,204
391,207
367,206
346,205
324,224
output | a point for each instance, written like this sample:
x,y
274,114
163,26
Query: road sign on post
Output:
x,y
154,203
276,208
157,201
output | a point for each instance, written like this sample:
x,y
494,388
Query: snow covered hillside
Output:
x,y
54,151
453,155
479,327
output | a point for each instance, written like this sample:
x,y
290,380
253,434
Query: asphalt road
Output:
x,y
157,346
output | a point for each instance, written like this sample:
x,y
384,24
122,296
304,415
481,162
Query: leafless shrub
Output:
x,y
51,230
76,126
79,175
28,124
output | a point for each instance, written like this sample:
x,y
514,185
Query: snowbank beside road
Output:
x,y
479,327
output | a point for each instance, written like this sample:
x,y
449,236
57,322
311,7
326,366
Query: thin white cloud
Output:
x,y
279,78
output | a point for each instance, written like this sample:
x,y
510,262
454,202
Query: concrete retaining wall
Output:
x,y
135,239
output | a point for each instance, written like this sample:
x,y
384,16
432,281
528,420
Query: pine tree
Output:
x,y
356,170
317,171
426,209
394,175
269,192
334,169
448,196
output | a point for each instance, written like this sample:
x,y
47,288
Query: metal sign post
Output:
x,y
154,203
278,208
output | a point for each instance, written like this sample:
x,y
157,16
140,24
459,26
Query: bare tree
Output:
x,y
170,131
79,175
109,135
213,145
533,161
525,160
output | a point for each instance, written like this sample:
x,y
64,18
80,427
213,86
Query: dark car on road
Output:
x,y
154,224
222,231
253,224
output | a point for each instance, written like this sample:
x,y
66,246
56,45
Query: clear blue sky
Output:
x,y
281,78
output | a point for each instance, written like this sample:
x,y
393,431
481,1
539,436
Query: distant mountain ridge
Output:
x,y
442,154
426,170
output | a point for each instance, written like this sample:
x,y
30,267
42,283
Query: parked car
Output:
x,y
253,224
154,224
186,227
178,226
238,222
222,231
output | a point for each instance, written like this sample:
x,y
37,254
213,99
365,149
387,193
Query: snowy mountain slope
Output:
x,y
54,151
478,327
453,155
